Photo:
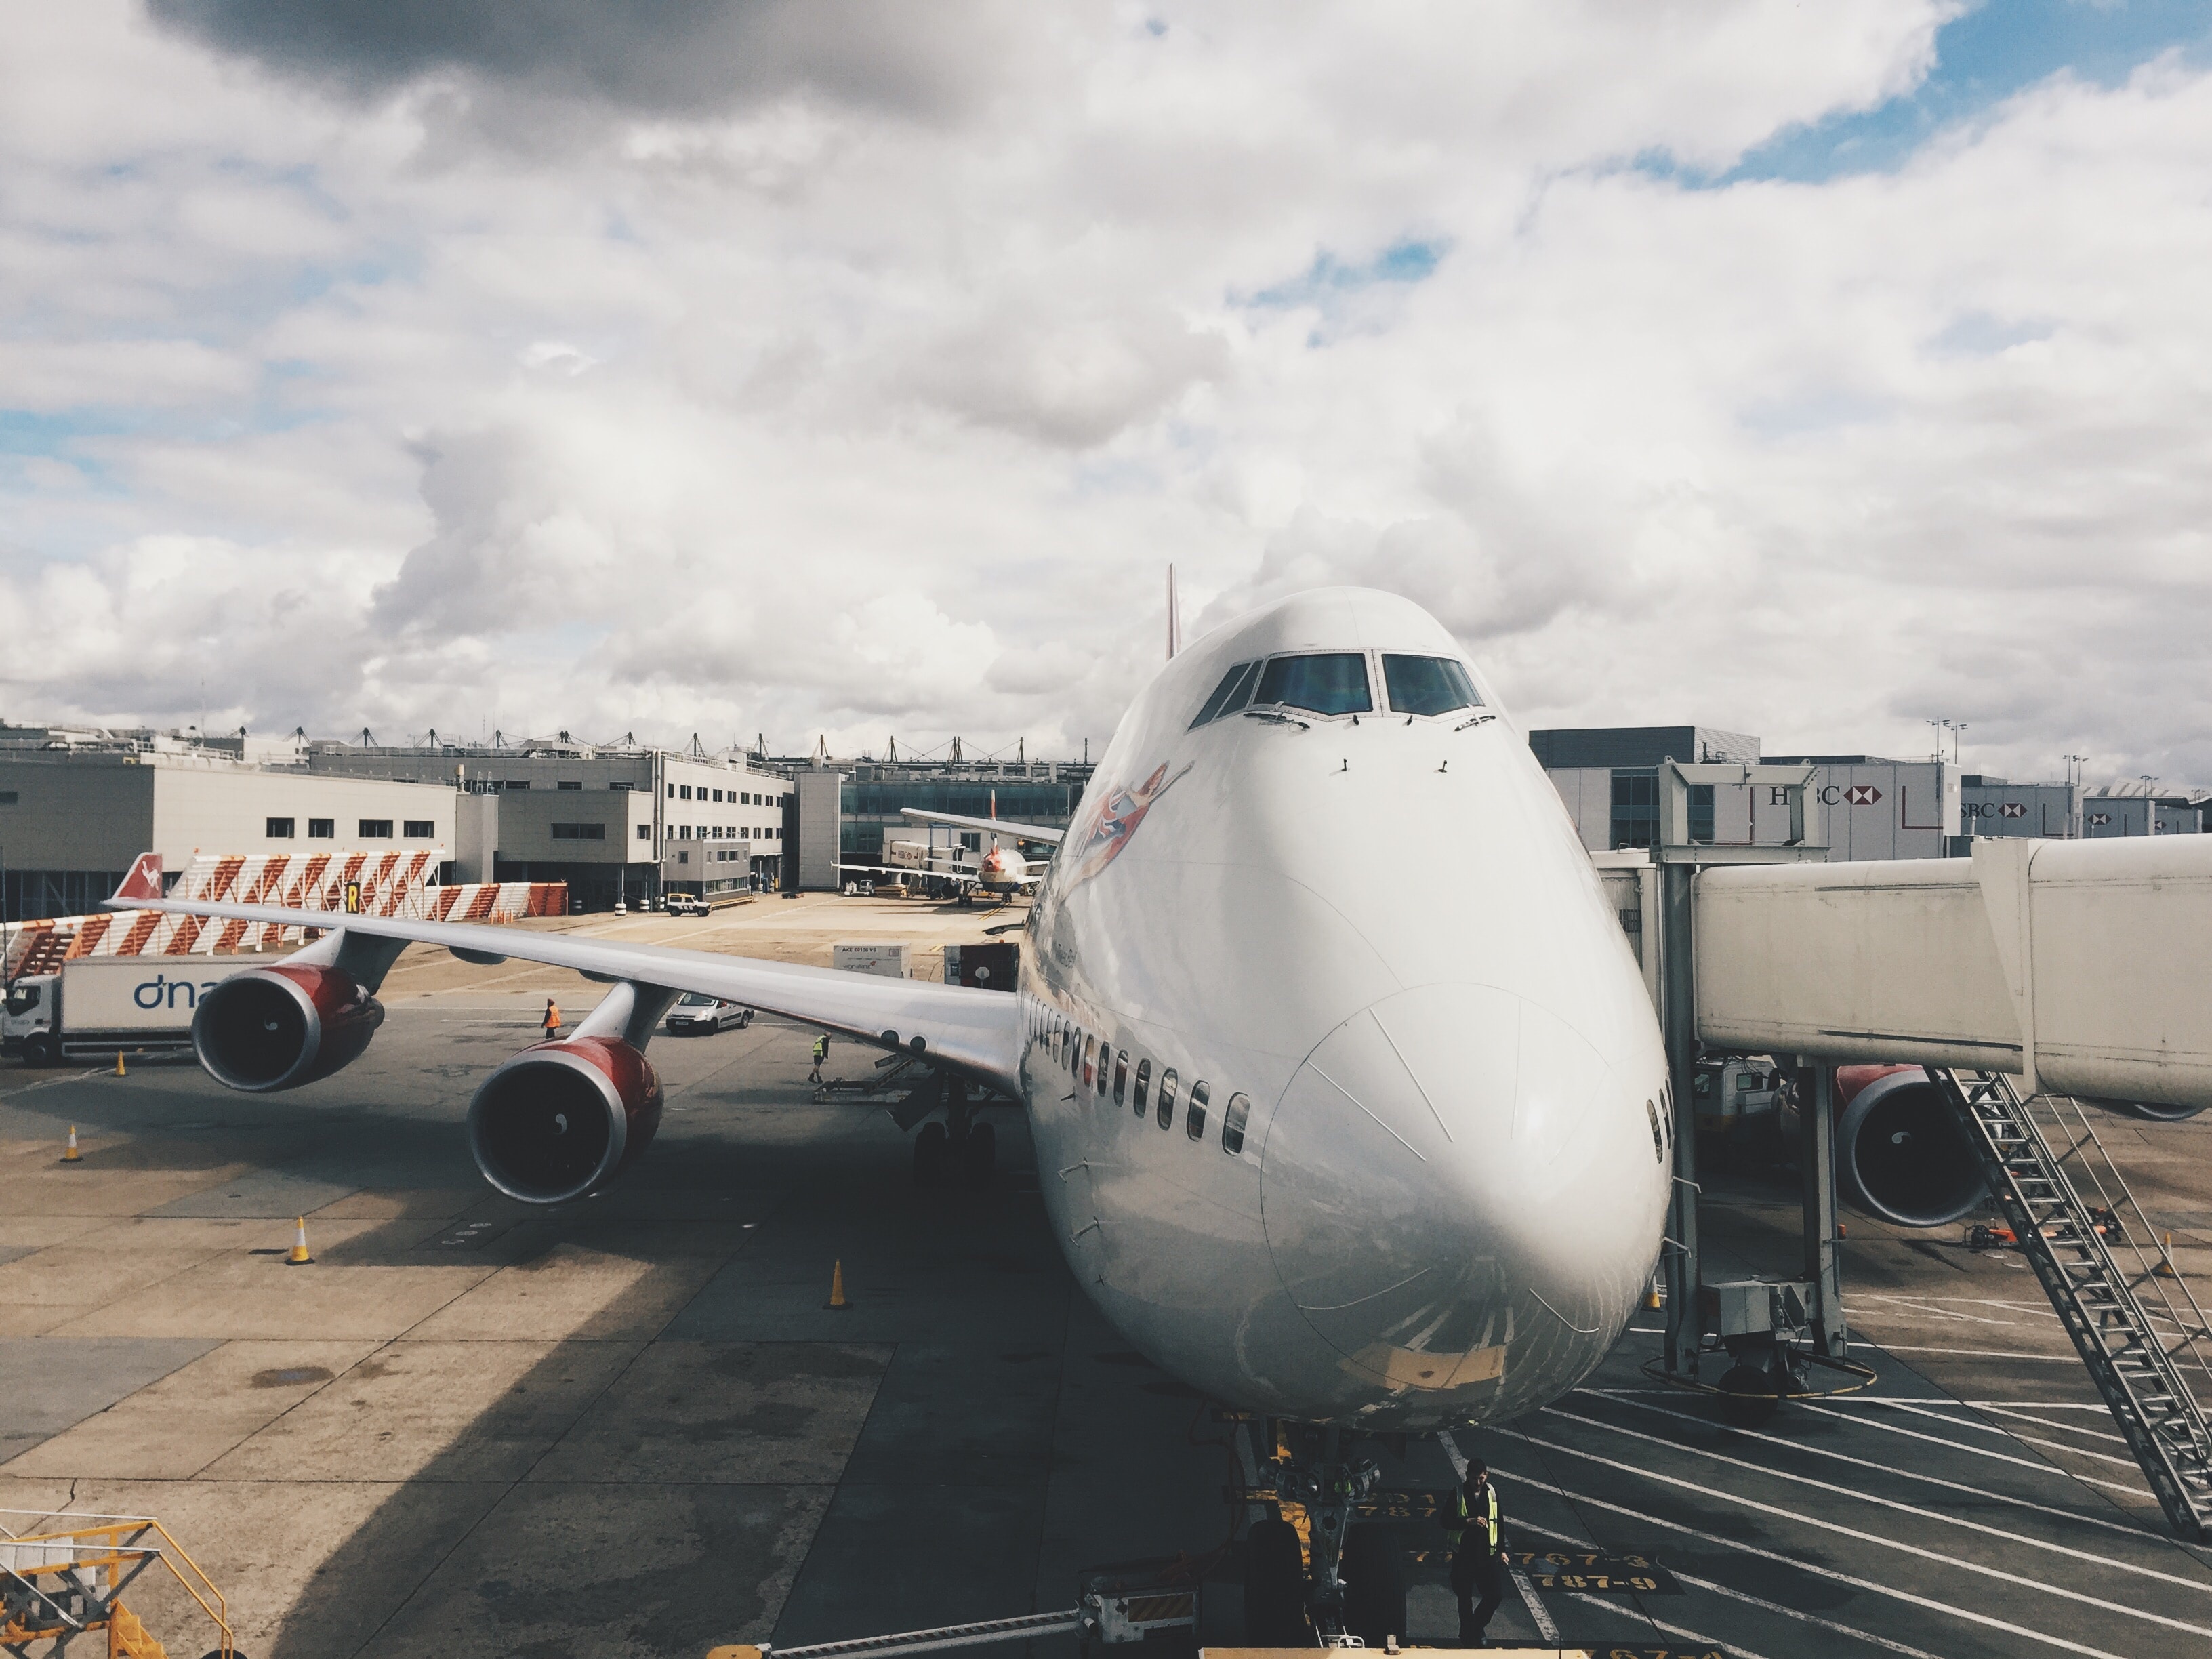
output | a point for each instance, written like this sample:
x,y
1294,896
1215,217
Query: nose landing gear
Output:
x,y
1349,1580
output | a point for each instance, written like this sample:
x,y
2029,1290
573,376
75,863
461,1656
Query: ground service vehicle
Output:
x,y
97,1005
696,1013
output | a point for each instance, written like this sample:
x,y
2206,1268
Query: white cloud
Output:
x,y
916,351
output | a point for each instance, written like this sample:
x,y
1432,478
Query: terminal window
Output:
x,y
579,785
420,828
322,829
375,829
580,832
645,832
277,829
1635,809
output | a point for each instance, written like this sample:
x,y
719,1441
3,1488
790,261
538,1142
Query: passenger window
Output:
x,y
1333,683
1104,1052
1144,1082
1233,1120
1194,1115
1075,1053
1224,694
1121,1077
1090,1059
1428,685
1166,1117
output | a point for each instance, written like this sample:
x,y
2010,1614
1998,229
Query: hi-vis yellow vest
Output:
x,y
1457,1531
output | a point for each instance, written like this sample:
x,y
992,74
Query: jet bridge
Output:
x,y
2050,963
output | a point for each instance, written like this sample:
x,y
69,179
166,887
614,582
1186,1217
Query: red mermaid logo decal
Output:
x,y
1115,821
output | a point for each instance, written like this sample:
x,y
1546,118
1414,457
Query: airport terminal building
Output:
x,y
1860,807
74,816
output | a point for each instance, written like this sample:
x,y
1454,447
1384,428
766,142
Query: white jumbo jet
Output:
x,y
1328,1144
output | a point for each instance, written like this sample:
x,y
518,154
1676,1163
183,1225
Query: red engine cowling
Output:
x,y
562,1119
1900,1153
281,1026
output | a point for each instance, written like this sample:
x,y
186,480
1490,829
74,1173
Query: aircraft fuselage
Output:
x,y
1445,1174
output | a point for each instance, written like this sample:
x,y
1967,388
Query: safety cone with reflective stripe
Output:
x,y
300,1258
836,1303
69,1153
2165,1268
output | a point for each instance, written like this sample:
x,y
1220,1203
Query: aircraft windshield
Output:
x,y
1331,683
1228,697
1428,685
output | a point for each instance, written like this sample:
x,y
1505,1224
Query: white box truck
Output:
x,y
97,1005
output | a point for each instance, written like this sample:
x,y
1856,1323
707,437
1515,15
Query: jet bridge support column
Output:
x,y
1680,1025
1816,1164
1679,858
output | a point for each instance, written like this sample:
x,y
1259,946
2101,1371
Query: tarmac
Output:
x,y
630,1426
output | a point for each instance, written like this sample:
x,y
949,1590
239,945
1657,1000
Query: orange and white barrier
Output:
x,y
392,883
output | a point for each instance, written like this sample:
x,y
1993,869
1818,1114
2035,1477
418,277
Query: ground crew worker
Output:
x,y
552,1021
821,1054
1478,1559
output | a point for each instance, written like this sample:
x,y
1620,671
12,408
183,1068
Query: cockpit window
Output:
x,y
1428,685
1229,695
1334,683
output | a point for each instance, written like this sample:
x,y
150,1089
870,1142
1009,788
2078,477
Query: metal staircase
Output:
x,y
59,1586
2139,1332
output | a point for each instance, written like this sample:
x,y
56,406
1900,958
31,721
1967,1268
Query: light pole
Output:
x,y
1938,725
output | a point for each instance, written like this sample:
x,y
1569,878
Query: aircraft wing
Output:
x,y
978,1031
997,826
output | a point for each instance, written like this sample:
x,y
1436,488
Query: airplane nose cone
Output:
x,y
1461,1192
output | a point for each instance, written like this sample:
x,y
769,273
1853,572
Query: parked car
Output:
x,y
686,904
697,1012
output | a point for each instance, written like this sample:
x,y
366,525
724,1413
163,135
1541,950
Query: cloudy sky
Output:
x,y
800,366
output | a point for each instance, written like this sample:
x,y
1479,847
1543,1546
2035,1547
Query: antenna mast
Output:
x,y
1174,617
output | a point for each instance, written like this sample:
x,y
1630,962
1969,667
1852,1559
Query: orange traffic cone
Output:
x,y
836,1303
300,1258
1651,1294
2165,1268
69,1153
118,1064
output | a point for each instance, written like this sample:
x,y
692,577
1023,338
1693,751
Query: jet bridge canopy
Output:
x,y
2054,961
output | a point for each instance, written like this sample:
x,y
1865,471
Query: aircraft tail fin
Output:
x,y
144,881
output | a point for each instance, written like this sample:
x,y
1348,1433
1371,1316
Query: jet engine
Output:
x,y
281,1026
2150,1111
1900,1153
561,1119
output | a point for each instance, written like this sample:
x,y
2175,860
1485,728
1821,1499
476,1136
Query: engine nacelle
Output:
x,y
1900,1152
2149,1111
281,1026
562,1119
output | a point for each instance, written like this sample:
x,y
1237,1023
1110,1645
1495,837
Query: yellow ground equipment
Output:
x,y
65,1578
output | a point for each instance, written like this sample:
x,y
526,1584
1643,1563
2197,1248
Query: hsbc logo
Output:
x,y
1837,794
2100,817
2014,809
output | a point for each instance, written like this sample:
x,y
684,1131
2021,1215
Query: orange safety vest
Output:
x,y
552,1016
